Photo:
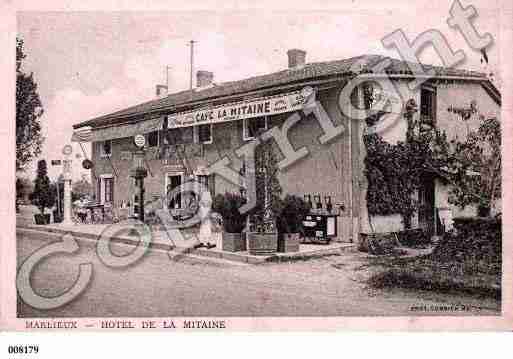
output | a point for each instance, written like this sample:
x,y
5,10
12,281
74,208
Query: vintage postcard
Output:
x,y
296,166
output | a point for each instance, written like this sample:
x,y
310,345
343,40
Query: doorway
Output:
x,y
106,189
174,180
427,205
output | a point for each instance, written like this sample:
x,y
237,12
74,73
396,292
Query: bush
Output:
x,y
293,211
378,243
467,259
413,237
473,239
44,194
227,206
425,274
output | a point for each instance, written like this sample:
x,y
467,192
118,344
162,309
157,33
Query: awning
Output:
x,y
120,131
264,106
82,135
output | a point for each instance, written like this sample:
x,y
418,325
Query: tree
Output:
x,y
29,109
268,189
44,193
23,187
472,166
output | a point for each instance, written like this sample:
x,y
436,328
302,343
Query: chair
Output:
x,y
110,214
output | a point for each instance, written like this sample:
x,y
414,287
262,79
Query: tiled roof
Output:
x,y
346,67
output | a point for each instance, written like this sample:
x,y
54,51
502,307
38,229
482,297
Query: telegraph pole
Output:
x,y
192,61
167,77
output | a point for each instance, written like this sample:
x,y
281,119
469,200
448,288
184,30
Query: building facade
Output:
x,y
192,133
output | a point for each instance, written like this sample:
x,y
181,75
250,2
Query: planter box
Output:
x,y
42,218
288,242
57,217
261,244
233,242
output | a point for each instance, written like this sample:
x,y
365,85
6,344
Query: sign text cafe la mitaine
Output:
x,y
243,110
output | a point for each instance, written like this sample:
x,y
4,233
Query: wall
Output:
x,y
458,94
326,169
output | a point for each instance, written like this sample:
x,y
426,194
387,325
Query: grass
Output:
x,y
427,273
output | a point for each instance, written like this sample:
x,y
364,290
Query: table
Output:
x,y
320,226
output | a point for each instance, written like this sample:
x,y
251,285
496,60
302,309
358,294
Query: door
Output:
x,y
427,206
172,181
106,189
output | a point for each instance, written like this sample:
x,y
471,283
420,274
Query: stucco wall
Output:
x,y
325,170
459,94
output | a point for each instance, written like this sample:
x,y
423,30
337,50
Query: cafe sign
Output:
x,y
266,106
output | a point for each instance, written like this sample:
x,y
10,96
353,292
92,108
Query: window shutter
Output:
x,y
212,184
98,189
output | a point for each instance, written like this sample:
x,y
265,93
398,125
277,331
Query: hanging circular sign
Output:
x,y
139,140
67,150
87,164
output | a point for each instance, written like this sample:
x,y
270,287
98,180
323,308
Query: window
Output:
x,y
203,133
250,127
109,190
97,196
203,179
106,148
153,139
106,189
181,135
208,182
428,105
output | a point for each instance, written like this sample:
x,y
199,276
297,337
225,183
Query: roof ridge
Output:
x,y
311,70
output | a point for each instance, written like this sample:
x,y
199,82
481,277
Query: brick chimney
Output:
x,y
297,58
204,78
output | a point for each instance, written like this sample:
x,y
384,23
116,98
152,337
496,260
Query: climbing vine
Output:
x,y
395,171
394,174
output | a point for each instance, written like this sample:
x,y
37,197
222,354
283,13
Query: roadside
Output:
x,y
465,260
157,286
178,246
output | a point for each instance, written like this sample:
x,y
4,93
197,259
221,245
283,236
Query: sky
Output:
x,y
87,64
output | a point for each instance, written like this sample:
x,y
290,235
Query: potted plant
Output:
x,y
262,238
290,223
44,195
227,205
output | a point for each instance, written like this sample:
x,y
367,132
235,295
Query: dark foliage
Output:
x,y
44,193
29,109
413,237
465,260
424,274
268,189
473,239
227,206
293,211
379,244
394,172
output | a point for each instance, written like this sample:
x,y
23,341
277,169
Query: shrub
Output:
x,y
378,243
44,194
475,239
413,237
293,211
227,206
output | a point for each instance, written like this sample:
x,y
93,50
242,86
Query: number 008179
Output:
x,y
23,349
